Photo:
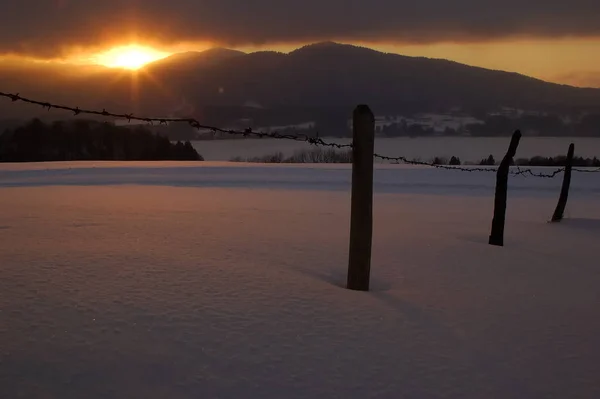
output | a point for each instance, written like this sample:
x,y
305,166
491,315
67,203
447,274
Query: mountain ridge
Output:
x,y
323,75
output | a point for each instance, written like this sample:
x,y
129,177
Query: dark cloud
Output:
x,y
42,27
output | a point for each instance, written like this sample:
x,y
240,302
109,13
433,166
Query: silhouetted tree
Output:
x,y
440,161
455,161
489,161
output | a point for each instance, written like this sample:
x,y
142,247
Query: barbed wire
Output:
x,y
517,172
275,135
163,121
586,170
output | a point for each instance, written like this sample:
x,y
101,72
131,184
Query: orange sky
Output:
x,y
564,61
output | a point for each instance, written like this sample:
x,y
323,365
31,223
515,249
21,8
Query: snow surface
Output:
x,y
187,280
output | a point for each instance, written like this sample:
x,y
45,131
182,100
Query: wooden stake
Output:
x,y
361,218
564,192
497,234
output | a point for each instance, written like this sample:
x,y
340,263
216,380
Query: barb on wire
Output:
x,y
191,121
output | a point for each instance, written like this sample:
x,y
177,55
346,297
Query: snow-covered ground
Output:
x,y
181,280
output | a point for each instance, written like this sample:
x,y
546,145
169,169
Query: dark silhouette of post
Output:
x,y
497,235
361,218
564,192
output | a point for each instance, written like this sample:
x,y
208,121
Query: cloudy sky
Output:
x,y
552,39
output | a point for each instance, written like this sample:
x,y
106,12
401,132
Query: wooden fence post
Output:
x,y
497,234
564,192
361,218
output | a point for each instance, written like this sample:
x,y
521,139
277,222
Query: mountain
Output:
x,y
327,74
318,78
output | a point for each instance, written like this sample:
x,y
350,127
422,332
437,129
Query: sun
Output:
x,y
129,57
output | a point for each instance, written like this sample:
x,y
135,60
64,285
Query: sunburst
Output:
x,y
129,57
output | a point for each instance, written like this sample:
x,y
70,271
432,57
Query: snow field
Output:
x,y
176,281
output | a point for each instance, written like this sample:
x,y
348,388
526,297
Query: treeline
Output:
x,y
81,140
330,155
314,155
558,161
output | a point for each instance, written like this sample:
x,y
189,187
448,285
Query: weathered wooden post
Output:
x,y
361,218
497,234
564,192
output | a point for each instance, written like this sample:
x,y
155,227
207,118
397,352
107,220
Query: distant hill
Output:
x,y
318,78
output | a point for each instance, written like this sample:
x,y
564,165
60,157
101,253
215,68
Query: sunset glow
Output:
x,y
129,57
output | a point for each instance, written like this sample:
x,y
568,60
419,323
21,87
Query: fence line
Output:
x,y
317,141
362,146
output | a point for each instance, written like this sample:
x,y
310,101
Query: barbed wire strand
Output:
x,y
275,135
518,172
163,121
586,170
